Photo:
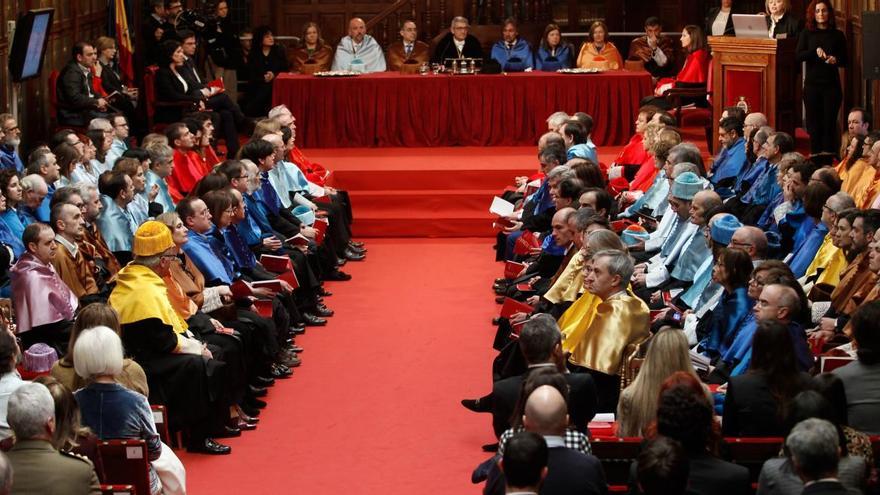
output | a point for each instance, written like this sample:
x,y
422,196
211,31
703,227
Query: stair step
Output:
x,y
426,227
372,180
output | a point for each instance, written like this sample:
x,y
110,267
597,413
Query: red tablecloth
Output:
x,y
390,109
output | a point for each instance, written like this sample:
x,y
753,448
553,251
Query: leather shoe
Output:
x,y
262,381
254,402
338,275
298,330
323,311
313,321
353,256
257,391
209,446
245,426
490,447
496,321
500,299
229,432
290,361
473,405
324,292
356,244
499,281
281,372
296,348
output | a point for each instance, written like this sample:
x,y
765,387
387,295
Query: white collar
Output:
x,y
554,441
72,248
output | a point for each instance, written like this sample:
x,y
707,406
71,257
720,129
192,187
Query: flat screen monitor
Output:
x,y
29,44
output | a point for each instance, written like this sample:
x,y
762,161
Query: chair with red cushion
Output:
x,y
125,462
616,455
53,105
751,452
150,101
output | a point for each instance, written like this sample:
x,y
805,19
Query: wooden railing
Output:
x,y
495,11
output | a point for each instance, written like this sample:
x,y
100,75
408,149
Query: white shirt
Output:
x,y
459,45
71,248
720,23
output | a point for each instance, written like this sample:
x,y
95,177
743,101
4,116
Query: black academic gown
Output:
x,y
446,49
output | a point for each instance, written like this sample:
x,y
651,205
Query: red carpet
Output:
x,y
374,407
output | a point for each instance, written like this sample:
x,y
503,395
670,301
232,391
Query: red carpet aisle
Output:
x,y
374,409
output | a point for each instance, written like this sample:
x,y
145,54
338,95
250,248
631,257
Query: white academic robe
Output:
x,y
368,57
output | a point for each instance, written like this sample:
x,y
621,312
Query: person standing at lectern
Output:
x,y
823,47
780,23
359,51
407,51
458,43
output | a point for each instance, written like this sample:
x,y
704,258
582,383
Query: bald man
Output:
x,y
755,120
781,303
359,52
751,240
569,471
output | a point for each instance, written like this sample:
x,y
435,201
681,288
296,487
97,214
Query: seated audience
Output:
x,y
161,166
94,245
10,156
313,54
663,468
685,414
10,380
70,434
577,140
44,305
637,409
598,52
756,403
731,160
512,52
358,51
38,466
524,463
554,52
131,375
732,270
861,378
69,261
815,453
694,72
409,53
118,222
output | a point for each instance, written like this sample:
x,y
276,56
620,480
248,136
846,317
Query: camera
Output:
x,y
195,21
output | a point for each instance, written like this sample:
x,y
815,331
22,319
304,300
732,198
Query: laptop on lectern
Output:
x,y
750,26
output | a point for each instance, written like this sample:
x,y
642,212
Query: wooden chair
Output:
x,y
616,455
117,490
160,417
751,452
687,116
634,357
125,462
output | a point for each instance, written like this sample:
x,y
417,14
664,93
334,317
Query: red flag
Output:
x,y
125,48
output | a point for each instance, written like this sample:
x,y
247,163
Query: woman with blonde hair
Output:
x,y
598,52
658,141
637,408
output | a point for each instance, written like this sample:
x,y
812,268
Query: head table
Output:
x,y
392,109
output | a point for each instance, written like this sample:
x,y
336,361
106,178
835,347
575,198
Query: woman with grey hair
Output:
x,y
109,409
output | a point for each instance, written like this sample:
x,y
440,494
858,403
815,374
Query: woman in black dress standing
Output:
x,y
823,47
266,61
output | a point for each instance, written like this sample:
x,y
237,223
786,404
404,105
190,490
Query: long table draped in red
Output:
x,y
390,109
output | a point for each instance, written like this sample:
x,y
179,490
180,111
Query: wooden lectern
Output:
x,y
763,72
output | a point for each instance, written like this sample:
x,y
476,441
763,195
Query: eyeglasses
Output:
x,y
171,257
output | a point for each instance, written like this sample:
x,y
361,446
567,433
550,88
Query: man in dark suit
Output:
x,y
458,43
815,452
156,30
77,101
569,471
409,53
541,344
525,463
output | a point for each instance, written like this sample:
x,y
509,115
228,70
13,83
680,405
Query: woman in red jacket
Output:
x,y
694,73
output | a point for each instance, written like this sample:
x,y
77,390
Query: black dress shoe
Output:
x,y
209,446
242,416
324,292
229,432
356,244
340,262
338,275
324,311
282,372
254,402
245,426
500,299
262,381
313,321
353,256
257,391
490,447
298,330
296,348
474,405
496,321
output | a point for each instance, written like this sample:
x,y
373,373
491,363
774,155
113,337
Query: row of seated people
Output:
x,y
756,264
202,271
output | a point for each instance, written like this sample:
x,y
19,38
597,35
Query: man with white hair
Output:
x,y
37,466
458,43
556,120
358,52
815,451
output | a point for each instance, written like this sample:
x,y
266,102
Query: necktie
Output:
x,y
509,46
408,50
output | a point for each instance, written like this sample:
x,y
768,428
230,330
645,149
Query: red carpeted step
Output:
x,y
371,179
